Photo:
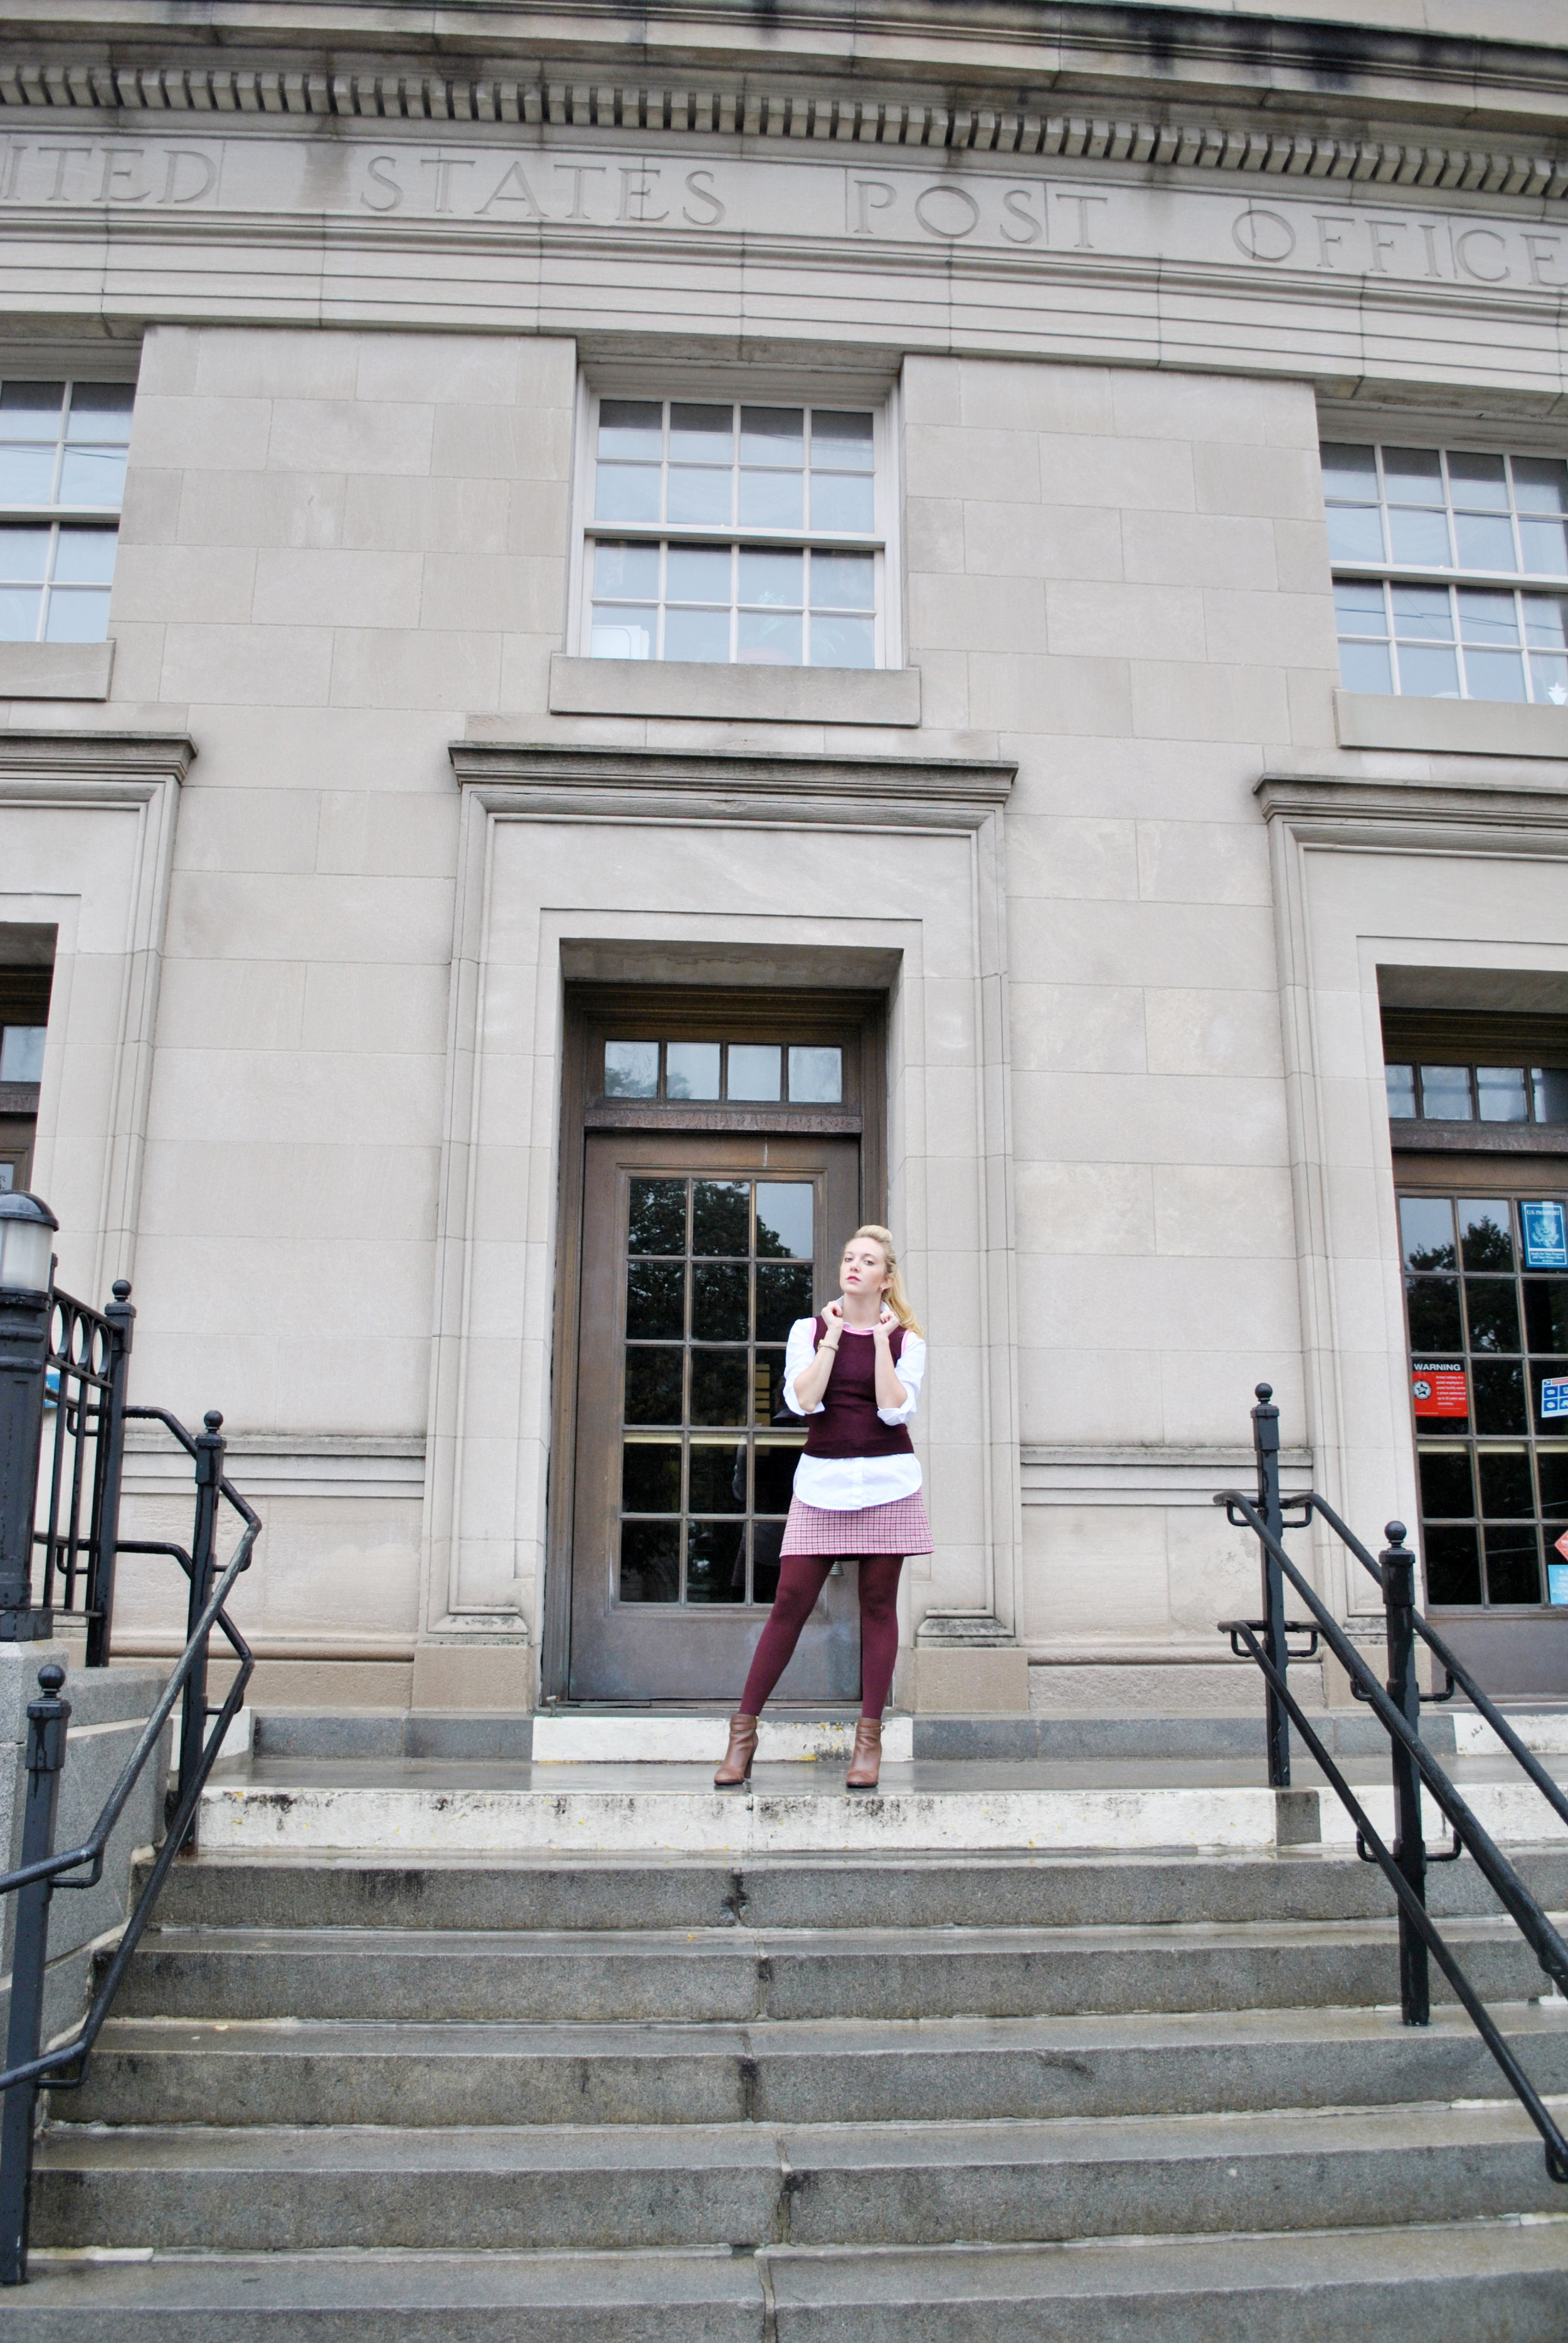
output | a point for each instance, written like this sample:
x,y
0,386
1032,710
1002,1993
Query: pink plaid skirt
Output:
x,y
901,1527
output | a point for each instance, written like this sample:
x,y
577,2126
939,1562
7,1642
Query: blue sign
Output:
x,y
1545,1236
1557,1582
1553,1396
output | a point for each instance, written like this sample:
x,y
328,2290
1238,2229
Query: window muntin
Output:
x,y
735,534
1486,1297
1422,1092
1402,523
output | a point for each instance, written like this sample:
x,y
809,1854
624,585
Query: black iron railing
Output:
x,y
1397,1707
42,1871
87,1364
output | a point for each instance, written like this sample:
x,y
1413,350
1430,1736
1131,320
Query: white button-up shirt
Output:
x,y
843,1484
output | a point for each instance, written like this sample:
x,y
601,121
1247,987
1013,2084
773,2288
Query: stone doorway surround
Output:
x,y
86,845
630,865
1454,877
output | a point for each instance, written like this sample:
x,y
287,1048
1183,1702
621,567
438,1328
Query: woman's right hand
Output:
x,y
833,1324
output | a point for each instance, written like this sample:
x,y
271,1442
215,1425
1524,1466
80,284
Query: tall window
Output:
x,y
62,478
735,534
1436,553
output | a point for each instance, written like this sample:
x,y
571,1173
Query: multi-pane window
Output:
x,y
62,477
1447,1094
735,534
716,1272
763,1073
1430,550
1486,1292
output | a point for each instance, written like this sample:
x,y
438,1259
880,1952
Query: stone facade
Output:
x,y
320,845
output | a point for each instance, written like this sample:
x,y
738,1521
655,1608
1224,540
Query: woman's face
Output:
x,y
864,1267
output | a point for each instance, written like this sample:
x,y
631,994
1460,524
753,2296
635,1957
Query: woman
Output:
x,y
854,1372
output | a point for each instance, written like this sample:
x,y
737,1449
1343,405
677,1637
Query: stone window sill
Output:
x,y
1461,727
56,670
769,695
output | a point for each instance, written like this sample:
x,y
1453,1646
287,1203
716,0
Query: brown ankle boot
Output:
x,y
866,1763
735,1770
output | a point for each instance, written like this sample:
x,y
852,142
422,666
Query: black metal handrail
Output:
x,y
1397,1707
87,1364
42,1870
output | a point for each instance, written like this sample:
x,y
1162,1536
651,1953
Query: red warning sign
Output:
x,y
1440,1387
1563,1546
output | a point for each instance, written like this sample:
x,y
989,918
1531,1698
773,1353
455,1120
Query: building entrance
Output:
x,y
1481,1161
719,1178
695,1260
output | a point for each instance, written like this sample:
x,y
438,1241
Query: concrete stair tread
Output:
x,y
292,2071
557,1945
316,2039
288,1889
599,2147
948,2276
602,2187
233,2284
797,2277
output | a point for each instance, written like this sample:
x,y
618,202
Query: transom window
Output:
x,y
1486,1292
1406,526
62,478
729,533
1439,1093
22,1053
716,1272
751,1073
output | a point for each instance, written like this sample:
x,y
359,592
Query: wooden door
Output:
x,y
698,1250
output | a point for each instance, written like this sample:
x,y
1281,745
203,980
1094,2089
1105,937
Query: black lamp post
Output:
x,y
27,1231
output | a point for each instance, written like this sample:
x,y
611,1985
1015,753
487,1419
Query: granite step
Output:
x,y
333,2073
909,1890
741,1974
1471,2282
485,2189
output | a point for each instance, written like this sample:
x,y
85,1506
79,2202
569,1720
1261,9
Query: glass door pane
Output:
x,y
716,1272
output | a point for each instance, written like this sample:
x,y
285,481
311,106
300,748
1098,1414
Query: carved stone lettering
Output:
x,y
514,181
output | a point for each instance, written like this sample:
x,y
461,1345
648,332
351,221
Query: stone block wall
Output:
x,y
1121,577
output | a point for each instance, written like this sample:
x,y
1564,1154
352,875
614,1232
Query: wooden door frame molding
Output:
x,y
738,1011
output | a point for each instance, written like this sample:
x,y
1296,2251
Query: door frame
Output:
x,y
856,1020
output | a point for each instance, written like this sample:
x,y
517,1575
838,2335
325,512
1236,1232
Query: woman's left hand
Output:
x,y
885,1323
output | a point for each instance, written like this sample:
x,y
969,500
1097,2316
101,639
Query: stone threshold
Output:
x,y
1216,1805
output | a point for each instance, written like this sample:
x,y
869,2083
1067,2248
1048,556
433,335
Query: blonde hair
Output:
x,y
898,1301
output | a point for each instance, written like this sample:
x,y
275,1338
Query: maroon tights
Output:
x,y
801,1579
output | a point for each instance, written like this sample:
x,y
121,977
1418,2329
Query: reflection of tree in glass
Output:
x,y
722,1216
656,1220
783,1294
1434,1313
655,1300
1431,1257
1487,1245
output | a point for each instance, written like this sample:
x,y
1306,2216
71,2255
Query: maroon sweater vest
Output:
x,y
848,1424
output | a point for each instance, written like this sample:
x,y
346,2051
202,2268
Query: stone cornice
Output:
x,y
1171,88
652,784
1340,809
126,766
